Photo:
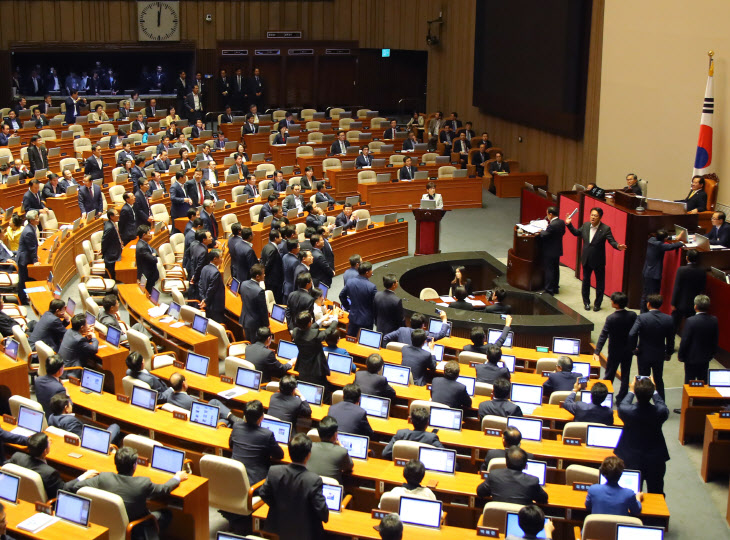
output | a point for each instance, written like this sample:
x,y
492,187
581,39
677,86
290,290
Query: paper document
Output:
x,y
476,303
232,393
441,365
177,324
442,304
448,299
36,522
717,247
724,391
35,289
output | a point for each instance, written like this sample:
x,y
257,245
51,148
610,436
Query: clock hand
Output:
x,y
159,16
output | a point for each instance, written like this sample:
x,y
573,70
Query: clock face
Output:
x,y
158,20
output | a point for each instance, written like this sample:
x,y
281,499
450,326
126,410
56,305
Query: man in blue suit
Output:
x,y
357,297
27,252
351,418
146,257
48,385
610,498
652,340
243,253
254,313
209,221
418,321
179,200
51,327
562,379
94,165
448,390
32,199
62,417
719,234
73,106
211,287
654,265
420,361
90,198
593,411
290,261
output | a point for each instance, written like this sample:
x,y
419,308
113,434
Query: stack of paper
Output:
x,y
476,303
232,393
158,311
448,299
36,522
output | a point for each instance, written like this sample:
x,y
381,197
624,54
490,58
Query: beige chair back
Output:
x,y
494,422
331,163
446,171
228,220
429,157
307,114
304,150
581,473
396,160
228,484
143,445
128,383
425,404
31,484
497,463
49,222
546,364
16,401
44,351
107,509
407,449
353,136
232,363
366,177
495,514
390,502
482,388
160,213
315,136
428,293
603,526
467,357
578,430
140,343
556,398
218,330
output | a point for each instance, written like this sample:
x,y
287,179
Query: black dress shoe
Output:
x,y
596,308
588,307
678,411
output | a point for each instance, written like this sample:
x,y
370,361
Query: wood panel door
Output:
x,y
336,81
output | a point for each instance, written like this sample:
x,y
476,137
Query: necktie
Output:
x,y
342,147
200,193
116,229
39,199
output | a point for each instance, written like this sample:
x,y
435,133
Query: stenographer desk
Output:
x,y
402,196
697,403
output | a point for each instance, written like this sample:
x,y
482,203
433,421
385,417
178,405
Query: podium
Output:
x,y
524,267
428,226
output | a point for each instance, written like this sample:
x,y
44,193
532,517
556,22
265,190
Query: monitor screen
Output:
x,y
529,428
9,484
585,397
584,368
445,418
281,430
278,313
630,479
437,352
375,406
339,363
356,445
229,536
174,310
513,527
95,439
11,349
90,319
313,393
167,459
203,414
143,397
637,532
287,350
603,437
73,508
566,346
70,307
719,377
324,288
197,363
155,295
420,512
536,468
235,284
368,338
435,325
397,374
92,380
248,378
30,419
200,324
333,496
113,336
526,393
469,382
437,459
508,361
493,335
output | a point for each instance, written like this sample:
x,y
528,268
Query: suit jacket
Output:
x,y
451,393
264,359
149,112
255,447
146,259
51,478
139,126
593,254
404,333
374,384
498,307
420,362
700,336
72,110
689,281
612,499
718,237
76,350
488,372
193,193
289,263
363,161
342,221
654,262
233,242
425,437
162,165
297,507
314,221
698,201
498,407
234,170
290,202
32,201
507,485
127,223
111,243
552,238
336,147
91,167
495,167
89,201
654,333
323,196
28,246
287,408
37,158
210,223
560,381
254,312
245,258
11,438
142,209
447,138
407,173
41,121
274,268
178,206
47,386
461,304
329,459
212,289
351,418
311,362
588,412
298,300
321,270
642,440
616,329
181,88
357,296
251,191
457,146
250,128
498,453
190,103
388,309
49,192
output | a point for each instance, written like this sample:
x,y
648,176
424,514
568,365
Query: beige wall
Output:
x,y
653,82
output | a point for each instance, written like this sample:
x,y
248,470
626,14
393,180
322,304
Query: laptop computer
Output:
x,y
378,407
537,469
312,393
390,218
630,479
197,363
397,374
340,363
144,397
421,512
92,381
428,204
382,178
639,532
718,377
527,396
584,368
585,397
174,310
437,459
445,418
278,313
287,350
356,445
11,349
73,508
437,351
200,324
248,378
30,421
513,529
508,361
333,496
603,436
369,338
167,459
420,175
280,429
9,486
566,346
494,334
96,439
469,382
353,200
436,325
203,414
531,429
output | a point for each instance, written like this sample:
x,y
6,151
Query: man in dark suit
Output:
x,y
322,195
179,200
654,264
297,506
357,296
181,89
197,259
616,330
195,189
446,137
94,165
40,119
349,415
593,256
37,155
498,297
642,445
135,490
255,90
299,299
652,340
719,234
239,169
127,219
142,209
234,240
79,345
90,198
212,289
209,221
511,485
329,458
462,147
312,363
562,379
632,184
178,395
371,381
253,445
689,281
460,294
590,412
264,359
295,200
498,165
139,125
111,243
288,404
273,266
32,198
194,105
162,162
422,362
700,337
251,190
552,250
407,171
345,219
73,106
697,197
48,385
51,326
223,85
250,127
511,436
388,307
364,159
448,390
417,321
419,419
146,257
500,404
340,146
254,313
321,270
243,253
27,251
491,370
290,261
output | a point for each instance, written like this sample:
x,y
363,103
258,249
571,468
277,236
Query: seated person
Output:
x,y
278,184
289,403
511,484
498,297
332,341
431,195
48,385
253,445
418,320
593,190
461,303
531,520
590,412
136,370
422,362
180,397
371,381
79,345
632,184
511,436
610,498
448,390
419,419
491,370
329,458
364,160
345,219
562,379
500,404
719,234
322,195
697,197
62,417
109,315
264,359
51,327
407,171
498,166
461,279
349,415
477,345
413,473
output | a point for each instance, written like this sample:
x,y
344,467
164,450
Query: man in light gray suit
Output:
x,y
329,457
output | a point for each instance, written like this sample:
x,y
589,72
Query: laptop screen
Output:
x,y
445,418
9,484
339,363
719,377
332,496
529,428
11,349
566,346
435,325
281,430
143,397
155,295
469,382
234,285
73,508
30,419
92,381
95,439
200,324
437,459
174,310
197,363
113,336
248,378
229,536
356,445
287,350
278,313
603,437
584,368
313,393
437,352
375,406
167,459
90,319
536,468
508,361
397,374
70,307
637,532
420,512
526,393
325,289
629,479
585,397
203,414
368,338
513,529
493,335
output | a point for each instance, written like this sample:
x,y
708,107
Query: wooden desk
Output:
x,y
510,185
179,339
716,447
66,207
381,243
284,155
13,377
697,403
402,196
233,307
126,267
60,530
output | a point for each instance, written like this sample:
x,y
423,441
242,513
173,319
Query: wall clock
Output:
x,y
158,20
